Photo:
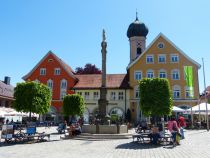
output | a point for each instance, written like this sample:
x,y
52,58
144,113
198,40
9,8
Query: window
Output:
x,y
80,93
50,84
50,60
120,96
57,71
95,95
63,84
113,96
138,51
162,58
160,45
43,71
175,74
176,92
149,59
137,94
150,74
162,74
63,94
138,75
189,93
174,58
87,95
117,111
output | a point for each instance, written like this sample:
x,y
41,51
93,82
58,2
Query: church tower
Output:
x,y
137,32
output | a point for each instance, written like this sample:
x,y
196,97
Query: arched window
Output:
x,y
63,84
50,84
117,111
176,91
63,88
175,74
189,93
138,51
150,74
162,73
86,116
136,92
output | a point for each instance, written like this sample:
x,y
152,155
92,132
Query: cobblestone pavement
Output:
x,y
196,145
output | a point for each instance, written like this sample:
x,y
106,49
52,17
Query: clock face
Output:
x,y
160,45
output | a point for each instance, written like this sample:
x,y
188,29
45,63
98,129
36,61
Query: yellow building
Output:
x,y
162,59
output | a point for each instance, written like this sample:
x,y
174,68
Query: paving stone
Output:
x,y
195,145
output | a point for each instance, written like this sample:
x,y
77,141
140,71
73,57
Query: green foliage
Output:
x,y
209,101
73,105
114,117
32,97
155,97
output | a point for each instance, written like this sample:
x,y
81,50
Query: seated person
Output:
x,y
78,129
154,135
72,130
61,127
144,125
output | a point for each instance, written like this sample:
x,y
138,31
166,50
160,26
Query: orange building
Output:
x,y
58,76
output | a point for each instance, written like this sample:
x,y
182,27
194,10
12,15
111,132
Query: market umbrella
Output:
x,y
202,107
177,109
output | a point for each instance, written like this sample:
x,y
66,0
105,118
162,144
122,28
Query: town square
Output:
x,y
104,79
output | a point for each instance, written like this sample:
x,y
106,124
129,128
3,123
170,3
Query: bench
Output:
x,y
165,139
39,136
141,137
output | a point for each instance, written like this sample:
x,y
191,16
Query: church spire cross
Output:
x,y
104,36
136,15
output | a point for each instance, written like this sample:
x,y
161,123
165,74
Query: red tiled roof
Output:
x,y
6,91
93,81
67,67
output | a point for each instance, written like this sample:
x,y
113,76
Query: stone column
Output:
x,y
102,102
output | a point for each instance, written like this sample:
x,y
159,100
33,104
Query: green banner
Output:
x,y
188,70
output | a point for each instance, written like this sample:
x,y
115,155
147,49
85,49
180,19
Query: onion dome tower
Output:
x,y
137,32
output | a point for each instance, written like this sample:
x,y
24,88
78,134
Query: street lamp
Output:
x,y
204,79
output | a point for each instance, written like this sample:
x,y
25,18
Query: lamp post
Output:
x,y
204,79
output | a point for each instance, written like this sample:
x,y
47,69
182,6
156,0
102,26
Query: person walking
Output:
x,y
182,125
173,128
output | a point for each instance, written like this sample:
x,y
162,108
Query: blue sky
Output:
x,y
73,31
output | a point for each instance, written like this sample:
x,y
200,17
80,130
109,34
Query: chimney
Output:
x,y
7,80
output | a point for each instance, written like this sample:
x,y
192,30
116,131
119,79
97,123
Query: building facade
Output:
x,y
6,93
161,59
117,86
58,76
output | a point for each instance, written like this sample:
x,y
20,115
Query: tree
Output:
x,y
73,104
32,97
155,97
88,69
